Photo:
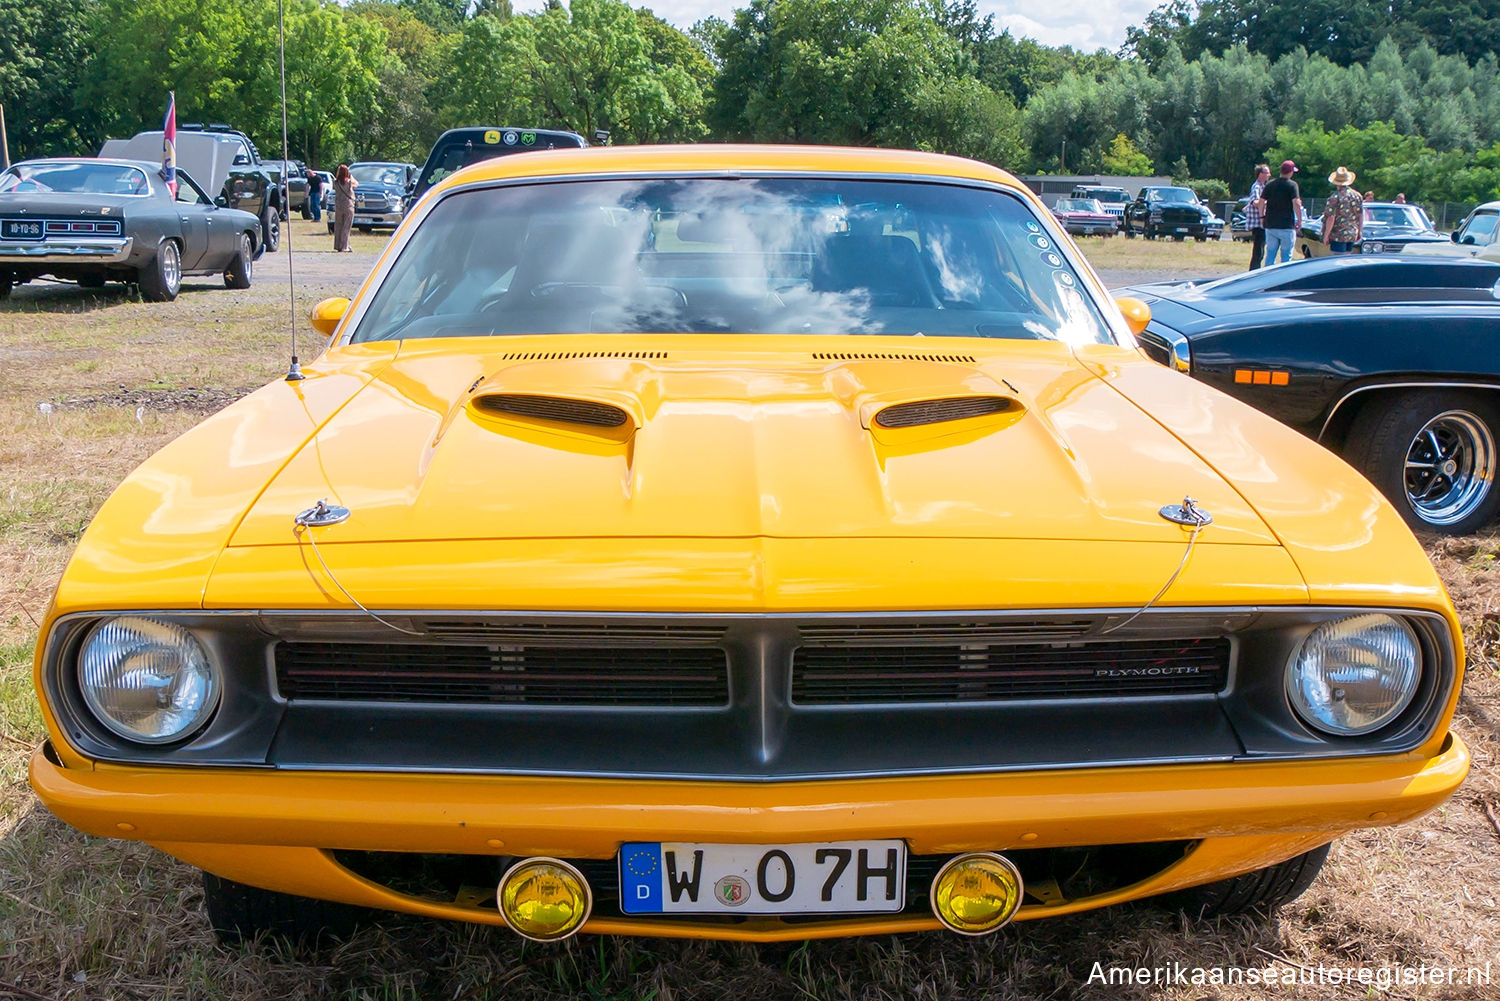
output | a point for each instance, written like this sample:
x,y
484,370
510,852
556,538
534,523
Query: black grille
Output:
x,y
501,674
554,408
850,675
1181,217
1155,347
905,415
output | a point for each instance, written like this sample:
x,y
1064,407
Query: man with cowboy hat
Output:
x,y
1344,215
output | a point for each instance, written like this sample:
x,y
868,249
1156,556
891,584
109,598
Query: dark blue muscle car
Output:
x,y
1388,360
92,221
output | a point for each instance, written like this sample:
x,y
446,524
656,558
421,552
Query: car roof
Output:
x,y
717,158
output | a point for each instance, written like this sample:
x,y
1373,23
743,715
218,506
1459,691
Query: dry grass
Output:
x,y
82,917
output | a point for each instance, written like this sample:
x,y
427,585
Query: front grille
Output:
x,y
1181,217
554,408
846,675
1155,347
502,674
905,415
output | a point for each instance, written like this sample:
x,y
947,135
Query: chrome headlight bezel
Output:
x,y
138,650
1385,647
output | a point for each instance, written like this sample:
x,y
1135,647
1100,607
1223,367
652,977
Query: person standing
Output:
x,y
1281,201
1344,215
315,195
343,208
1255,219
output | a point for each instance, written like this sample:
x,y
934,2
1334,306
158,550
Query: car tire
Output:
x,y
6,282
160,278
1306,252
306,212
1148,231
330,226
1433,454
270,228
237,912
241,267
1263,890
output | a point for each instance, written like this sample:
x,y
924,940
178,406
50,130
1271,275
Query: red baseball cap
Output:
x,y
1288,166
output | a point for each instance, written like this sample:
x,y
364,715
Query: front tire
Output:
x,y
1434,454
241,266
238,912
1263,890
5,284
160,278
270,228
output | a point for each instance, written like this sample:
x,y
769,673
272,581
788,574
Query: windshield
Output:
x,y
1078,205
91,178
1106,195
1394,216
379,173
768,255
1480,229
1170,195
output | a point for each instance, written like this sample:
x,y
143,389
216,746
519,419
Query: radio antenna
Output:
x,y
294,372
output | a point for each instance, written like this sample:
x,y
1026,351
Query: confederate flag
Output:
x,y
169,144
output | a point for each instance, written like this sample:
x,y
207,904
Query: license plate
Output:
x,y
847,877
1180,229
363,220
21,229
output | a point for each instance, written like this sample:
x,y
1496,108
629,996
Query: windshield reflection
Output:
x,y
761,255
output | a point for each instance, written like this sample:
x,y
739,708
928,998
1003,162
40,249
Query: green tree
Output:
x,y
1123,159
42,44
854,72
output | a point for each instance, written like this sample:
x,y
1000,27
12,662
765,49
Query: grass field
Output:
x,y
92,383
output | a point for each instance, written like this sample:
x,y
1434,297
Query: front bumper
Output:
x,y
275,829
80,250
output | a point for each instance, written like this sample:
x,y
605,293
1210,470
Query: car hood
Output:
x,y
737,446
1403,233
753,480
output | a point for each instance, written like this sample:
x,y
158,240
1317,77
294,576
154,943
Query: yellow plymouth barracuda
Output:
x,y
741,542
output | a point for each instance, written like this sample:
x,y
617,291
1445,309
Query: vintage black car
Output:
x,y
1389,228
93,221
458,148
1170,211
1387,360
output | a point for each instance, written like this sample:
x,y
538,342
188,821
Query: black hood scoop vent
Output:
x,y
553,408
919,412
891,356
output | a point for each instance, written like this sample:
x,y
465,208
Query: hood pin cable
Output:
x,y
1186,514
321,515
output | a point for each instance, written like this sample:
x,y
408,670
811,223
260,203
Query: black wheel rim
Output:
x,y
1450,467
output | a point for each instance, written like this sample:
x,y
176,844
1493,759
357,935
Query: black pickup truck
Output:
x,y
1171,211
250,173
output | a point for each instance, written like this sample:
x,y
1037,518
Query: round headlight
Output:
x,y
146,680
1355,675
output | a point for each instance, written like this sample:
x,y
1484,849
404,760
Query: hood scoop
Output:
x,y
562,409
568,355
921,412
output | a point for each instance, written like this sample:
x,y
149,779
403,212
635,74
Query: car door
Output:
x,y
201,243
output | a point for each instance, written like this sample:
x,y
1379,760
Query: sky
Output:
x,y
1084,24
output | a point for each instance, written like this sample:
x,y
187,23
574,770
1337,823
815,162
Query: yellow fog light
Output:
x,y
544,899
977,893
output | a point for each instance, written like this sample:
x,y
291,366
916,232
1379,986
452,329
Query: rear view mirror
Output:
x,y
1137,313
325,316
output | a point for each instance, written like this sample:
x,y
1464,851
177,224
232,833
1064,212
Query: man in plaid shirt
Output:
x,y
1255,219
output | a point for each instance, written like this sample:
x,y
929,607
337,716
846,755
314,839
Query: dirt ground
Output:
x,y
92,383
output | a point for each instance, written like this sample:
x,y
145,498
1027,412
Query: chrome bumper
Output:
x,y
91,250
